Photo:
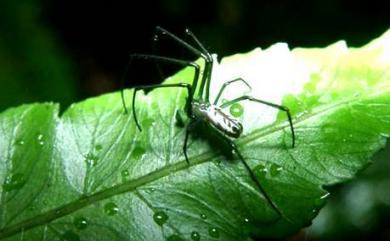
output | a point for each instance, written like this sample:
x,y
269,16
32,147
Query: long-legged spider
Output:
x,y
198,106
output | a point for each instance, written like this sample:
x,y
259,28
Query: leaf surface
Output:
x,y
91,175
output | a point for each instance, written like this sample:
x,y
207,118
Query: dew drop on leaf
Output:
x,y
40,140
111,209
14,182
91,159
275,169
138,152
98,147
213,232
195,236
236,110
80,223
260,171
245,226
160,217
147,123
19,142
125,174
203,216
70,236
319,202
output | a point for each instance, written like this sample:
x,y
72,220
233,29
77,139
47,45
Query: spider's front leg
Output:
x,y
147,87
189,87
280,107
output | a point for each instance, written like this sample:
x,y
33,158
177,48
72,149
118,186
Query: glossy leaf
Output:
x,y
91,175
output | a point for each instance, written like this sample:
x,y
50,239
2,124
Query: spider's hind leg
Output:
x,y
252,175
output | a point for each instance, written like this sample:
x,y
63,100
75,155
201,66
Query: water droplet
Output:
x,y
98,147
203,216
246,226
80,223
138,152
40,140
195,236
319,202
174,237
260,171
325,195
213,232
236,110
147,123
155,37
14,182
91,159
70,236
111,209
125,174
19,142
275,169
160,217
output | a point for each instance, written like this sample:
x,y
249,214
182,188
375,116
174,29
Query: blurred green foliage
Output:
x,y
360,209
33,65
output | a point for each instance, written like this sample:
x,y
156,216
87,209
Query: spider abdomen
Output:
x,y
218,119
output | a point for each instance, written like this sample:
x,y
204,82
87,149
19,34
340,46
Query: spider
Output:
x,y
198,106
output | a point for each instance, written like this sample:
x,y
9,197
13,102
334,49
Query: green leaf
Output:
x,y
91,175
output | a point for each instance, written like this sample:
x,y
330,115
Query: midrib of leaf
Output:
x,y
131,185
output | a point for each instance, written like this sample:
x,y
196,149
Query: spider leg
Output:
x,y
252,175
197,52
146,87
167,60
187,133
204,54
154,49
208,65
280,107
200,45
228,83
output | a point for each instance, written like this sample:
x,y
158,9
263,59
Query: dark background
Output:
x,y
66,51
99,35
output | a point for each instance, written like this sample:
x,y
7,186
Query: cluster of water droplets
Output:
x,y
16,180
273,170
